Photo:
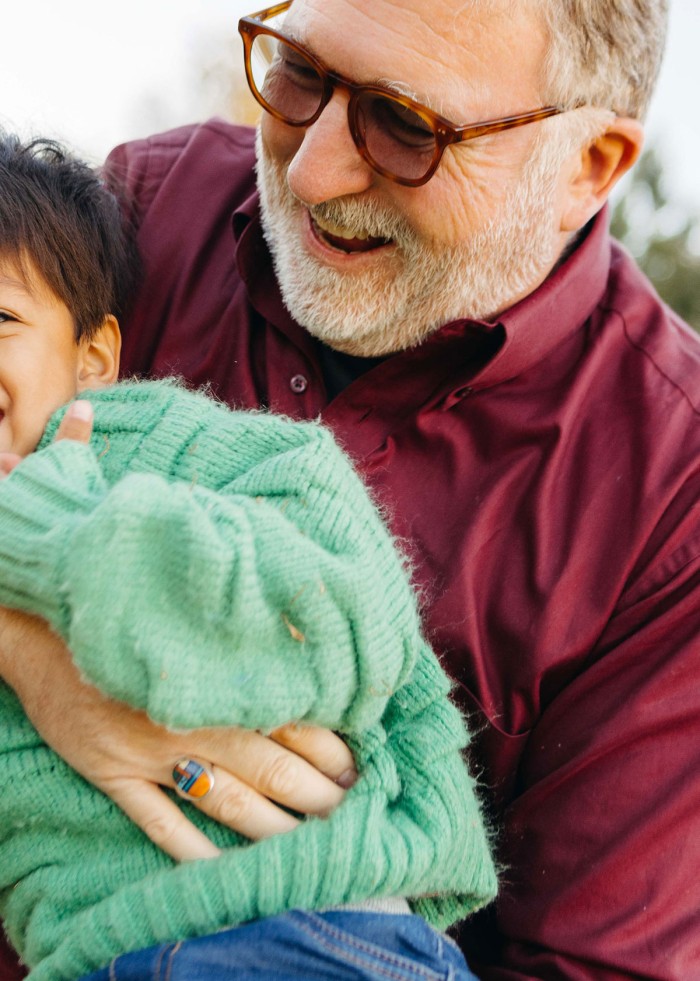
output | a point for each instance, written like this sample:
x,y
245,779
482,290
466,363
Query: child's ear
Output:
x,y
98,358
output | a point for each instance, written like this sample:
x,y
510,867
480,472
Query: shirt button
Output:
x,y
298,384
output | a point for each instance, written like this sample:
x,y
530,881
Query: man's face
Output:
x,y
39,357
370,266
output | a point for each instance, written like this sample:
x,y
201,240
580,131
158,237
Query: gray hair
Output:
x,y
606,53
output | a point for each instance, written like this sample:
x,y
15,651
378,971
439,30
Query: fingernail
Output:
x,y
82,409
347,779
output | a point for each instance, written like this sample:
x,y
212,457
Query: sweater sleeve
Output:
x,y
255,605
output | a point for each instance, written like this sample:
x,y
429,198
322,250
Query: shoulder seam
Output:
x,y
649,357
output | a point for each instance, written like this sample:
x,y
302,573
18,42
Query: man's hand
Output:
x,y
123,753
127,756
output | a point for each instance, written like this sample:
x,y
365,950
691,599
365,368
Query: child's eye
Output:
x,y
6,317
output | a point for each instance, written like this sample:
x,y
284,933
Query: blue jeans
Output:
x,y
336,945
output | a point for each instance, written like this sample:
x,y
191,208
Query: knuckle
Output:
x,y
294,734
281,777
73,429
233,807
66,429
160,829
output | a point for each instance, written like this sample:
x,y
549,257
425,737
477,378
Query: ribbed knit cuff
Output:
x,y
41,503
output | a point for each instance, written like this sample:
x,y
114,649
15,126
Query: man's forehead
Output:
x,y
452,55
411,17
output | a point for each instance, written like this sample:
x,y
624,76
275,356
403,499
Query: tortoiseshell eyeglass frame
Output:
x,y
445,133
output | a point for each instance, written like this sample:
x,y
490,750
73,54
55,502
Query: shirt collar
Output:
x,y
244,214
565,301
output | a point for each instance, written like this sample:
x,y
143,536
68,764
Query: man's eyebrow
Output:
x,y
400,88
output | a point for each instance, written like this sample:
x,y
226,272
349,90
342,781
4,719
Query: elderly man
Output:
x,y
443,292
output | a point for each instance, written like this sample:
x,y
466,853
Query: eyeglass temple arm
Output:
x,y
510,122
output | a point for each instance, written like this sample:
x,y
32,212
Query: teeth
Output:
x,y
338,232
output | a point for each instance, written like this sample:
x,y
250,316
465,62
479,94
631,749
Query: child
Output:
x,y
212,568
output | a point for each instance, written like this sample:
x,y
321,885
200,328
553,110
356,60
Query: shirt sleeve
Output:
x,y
272,600
603,838
134,171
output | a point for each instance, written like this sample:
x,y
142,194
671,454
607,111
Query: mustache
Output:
x,y
365,218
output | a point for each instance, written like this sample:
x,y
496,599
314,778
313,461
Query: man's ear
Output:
x,y
98,357
597,170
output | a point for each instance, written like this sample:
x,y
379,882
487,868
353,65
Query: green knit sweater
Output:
x,y
217,568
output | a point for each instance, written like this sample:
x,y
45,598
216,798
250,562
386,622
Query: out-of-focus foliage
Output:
x,y
663,237
224,89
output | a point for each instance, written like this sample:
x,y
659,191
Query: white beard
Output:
x,y
408,295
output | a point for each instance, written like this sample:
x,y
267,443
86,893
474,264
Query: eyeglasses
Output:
x,y
398,137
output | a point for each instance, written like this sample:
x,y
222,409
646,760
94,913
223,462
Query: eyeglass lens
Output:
x,y
287,82
394,137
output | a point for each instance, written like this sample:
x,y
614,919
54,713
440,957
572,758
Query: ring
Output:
x,y
192,780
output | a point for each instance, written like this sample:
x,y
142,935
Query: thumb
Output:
x,y
77,422
8,462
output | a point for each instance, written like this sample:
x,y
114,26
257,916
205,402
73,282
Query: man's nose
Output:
x,y
328,164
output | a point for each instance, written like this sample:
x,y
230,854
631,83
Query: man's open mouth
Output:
x,y
345,240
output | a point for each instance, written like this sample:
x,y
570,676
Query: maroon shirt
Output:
x,y
542,472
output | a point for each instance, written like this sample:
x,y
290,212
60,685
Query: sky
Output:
x,y
94,74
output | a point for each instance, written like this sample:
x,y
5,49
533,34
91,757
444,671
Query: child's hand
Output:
x,y
77,422
8,462
76,425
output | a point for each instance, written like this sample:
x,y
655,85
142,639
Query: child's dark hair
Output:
x,y
56,211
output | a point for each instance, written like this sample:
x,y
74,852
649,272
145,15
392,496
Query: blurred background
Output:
x,y
94,74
